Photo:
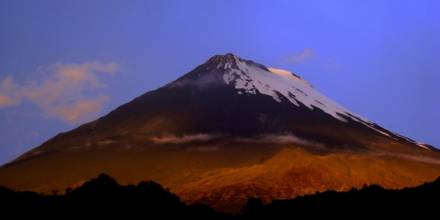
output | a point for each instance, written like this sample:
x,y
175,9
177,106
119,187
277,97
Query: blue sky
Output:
x,y
63,63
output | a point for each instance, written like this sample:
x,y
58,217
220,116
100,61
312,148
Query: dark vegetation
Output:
x,y
103,197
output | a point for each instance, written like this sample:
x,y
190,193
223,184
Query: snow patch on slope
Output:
x,y
282,73
250,79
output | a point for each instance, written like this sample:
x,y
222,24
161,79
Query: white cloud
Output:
x,y
264,138
70,92
301,56
280,139
173,139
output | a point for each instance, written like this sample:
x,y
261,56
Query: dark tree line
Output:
x,y
103,197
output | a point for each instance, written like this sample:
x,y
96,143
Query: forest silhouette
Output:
x,y
103,197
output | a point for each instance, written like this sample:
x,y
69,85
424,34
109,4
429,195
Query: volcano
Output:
x,y
229,130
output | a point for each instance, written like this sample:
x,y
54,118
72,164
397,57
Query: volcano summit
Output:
x,y
229,130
